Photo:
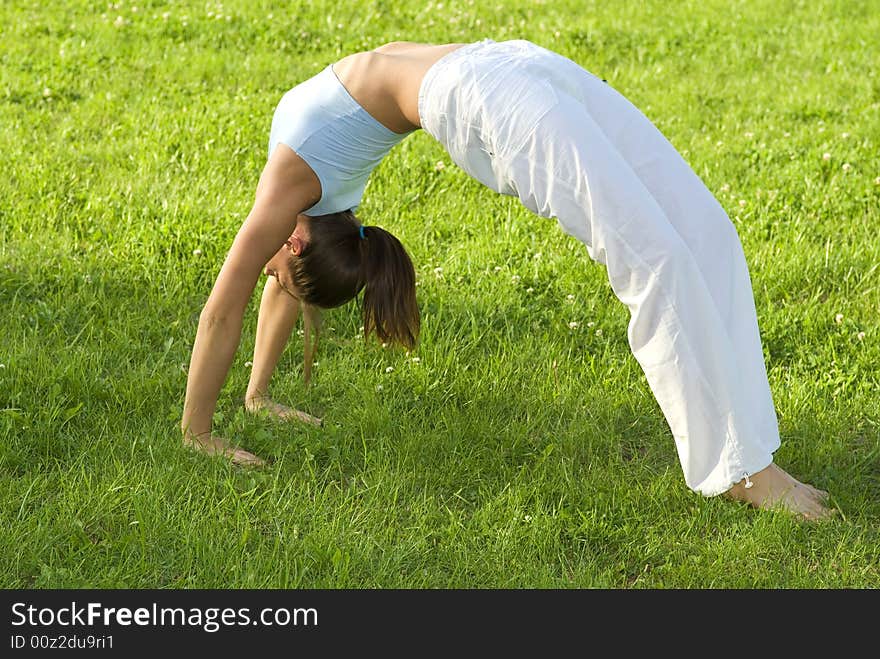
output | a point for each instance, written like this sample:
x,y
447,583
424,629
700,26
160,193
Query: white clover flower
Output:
x,y
846,167
598,332
248,364
844,135
197,252
742,203
119,22
165,15
515,278
838,318
497,268
440,166
416,360
4,365
749,134
860,336
379,387
826,156
725,187
47,92
591,323
384,345
786,134
573,324
389,369
877,181
569,297
530,290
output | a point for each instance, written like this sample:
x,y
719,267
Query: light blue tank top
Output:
x,y
338,139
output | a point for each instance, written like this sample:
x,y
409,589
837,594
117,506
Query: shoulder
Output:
x,y
287,176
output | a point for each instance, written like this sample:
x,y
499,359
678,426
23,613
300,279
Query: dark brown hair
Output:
x,y
336,263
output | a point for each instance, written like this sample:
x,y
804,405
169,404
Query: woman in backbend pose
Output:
x,y
527,122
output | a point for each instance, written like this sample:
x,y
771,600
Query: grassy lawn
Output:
x,y
512,448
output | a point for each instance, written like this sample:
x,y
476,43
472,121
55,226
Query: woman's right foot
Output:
x,y
774,488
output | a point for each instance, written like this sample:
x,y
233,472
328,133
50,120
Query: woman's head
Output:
x,y
330,258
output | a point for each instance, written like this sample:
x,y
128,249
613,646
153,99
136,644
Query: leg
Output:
x,y
679,267
278,315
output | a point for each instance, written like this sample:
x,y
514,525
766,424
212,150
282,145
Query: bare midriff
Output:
x,y
386,81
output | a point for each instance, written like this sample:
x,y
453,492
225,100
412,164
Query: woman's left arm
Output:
x,y
287,187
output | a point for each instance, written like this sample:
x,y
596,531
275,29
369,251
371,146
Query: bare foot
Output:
x,y
213,445
774,488
265,404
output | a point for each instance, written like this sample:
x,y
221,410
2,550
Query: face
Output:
x,y
280,265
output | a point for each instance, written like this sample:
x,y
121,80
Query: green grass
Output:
x,y
517,452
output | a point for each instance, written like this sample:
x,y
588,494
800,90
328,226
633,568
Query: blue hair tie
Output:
x,y
361,230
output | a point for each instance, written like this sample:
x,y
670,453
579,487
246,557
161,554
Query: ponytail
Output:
x,y
389,304
342,257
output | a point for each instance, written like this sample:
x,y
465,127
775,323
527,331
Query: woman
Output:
x,y
527,122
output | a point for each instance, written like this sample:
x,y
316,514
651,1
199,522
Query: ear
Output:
x,y
296,244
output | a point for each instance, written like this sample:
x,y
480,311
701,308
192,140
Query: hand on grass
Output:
x,y
213,445
266,405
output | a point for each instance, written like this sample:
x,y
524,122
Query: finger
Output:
x,y
244,458
302,416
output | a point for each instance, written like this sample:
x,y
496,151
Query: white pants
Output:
x,y
528,122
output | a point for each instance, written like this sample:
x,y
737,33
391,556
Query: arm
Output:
x,y
278,314
287,187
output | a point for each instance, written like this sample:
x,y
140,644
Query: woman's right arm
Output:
x,y
287,187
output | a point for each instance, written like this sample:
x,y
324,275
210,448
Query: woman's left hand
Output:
x,y
269,406
213,445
